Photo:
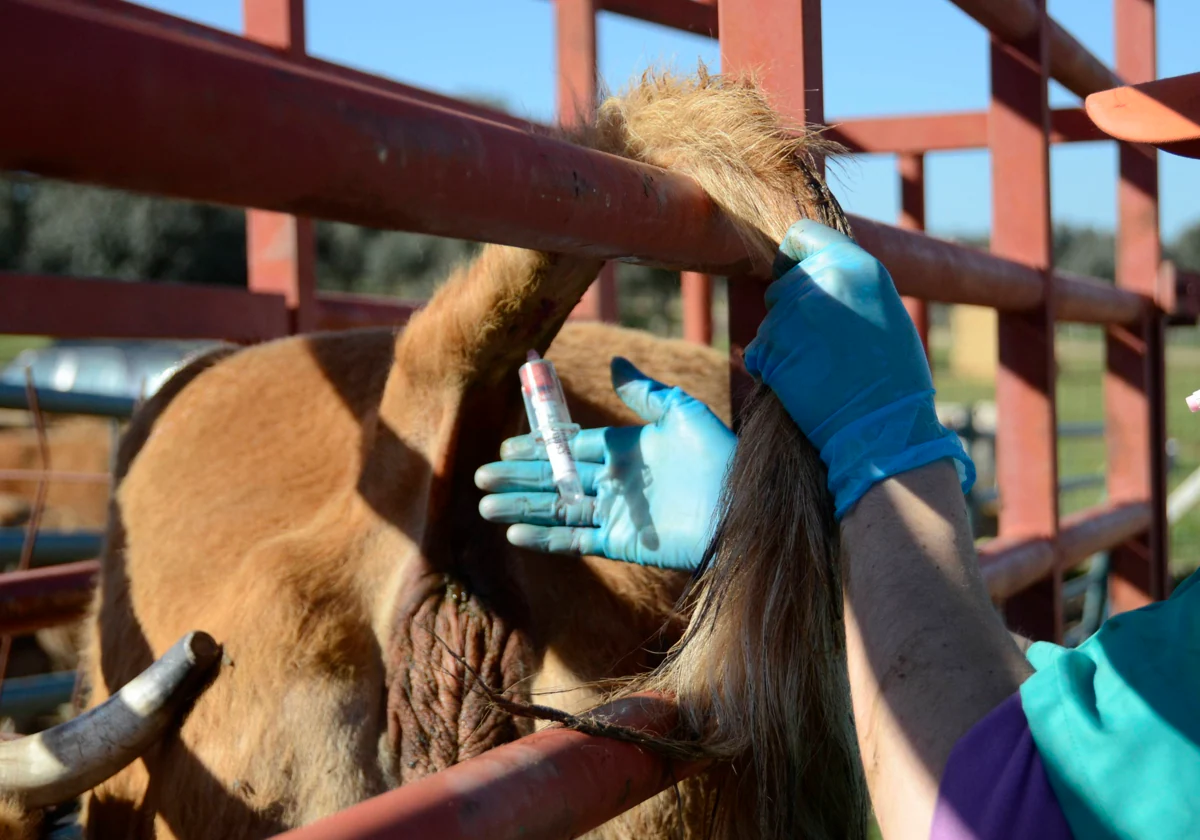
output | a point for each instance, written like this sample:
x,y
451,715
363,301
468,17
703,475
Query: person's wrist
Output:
x,y
900,437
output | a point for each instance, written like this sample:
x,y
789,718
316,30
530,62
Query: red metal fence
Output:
x,y
111,93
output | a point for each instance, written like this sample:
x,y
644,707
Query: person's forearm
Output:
x,y
928,657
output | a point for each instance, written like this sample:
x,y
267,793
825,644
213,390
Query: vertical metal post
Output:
x,y
912,217
1026,456
696,290
750,41
281,249
1133,380
575,37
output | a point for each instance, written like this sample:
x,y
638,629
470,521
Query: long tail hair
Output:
x,y
760,675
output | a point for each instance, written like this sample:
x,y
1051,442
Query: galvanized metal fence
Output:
x,y
250,121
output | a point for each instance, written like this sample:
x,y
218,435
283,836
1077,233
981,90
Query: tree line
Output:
x,y
59,228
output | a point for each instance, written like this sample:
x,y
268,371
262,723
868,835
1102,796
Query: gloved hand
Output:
x,y
841,353
650,491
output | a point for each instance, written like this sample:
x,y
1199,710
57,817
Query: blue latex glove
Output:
x,y
650,491
842,354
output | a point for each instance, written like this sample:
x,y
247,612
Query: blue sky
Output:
x,y
882,57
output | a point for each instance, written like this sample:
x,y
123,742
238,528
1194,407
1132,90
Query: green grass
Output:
x,y
11,345
1080,395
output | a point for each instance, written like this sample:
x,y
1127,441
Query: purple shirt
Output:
x,y
995,787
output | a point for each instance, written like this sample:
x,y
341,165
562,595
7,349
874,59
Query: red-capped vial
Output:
x,y
550,422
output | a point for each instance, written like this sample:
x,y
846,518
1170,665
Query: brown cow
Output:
x,y
76,444
310,503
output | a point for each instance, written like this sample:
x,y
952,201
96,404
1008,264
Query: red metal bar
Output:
x,y
1014,21
698,18
912,217
554,783
1133,381
321,147
696,290
40,598
146,15
1026,456
931,269
33,305
281,249
336,311
915,134
794,78
1015,565
575,31
1011,565
1100,528
1091,301
411,166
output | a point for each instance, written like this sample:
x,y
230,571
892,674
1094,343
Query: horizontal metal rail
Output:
x,y
51,546
342,311
121,309
932,269
1071,63
171,23
921,133
407,165
684,15
36,695
53,401
554,783
1012,565
1100,528
214,114
35,305
38,598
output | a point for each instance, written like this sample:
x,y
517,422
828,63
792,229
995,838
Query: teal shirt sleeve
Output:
x,y
1117,722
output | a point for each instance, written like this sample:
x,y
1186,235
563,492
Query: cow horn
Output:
x,y
61,763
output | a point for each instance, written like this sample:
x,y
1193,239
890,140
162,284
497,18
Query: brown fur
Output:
x,y
16,823
76,444
310,504
309,661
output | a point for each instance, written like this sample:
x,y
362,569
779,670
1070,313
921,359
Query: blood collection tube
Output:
x,y
550,422
1193,402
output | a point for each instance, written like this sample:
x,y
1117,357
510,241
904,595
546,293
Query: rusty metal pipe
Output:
x,y
1071,63
33,303
554,783
1012,565
215,113
699,18
337,311
1091,301
320,146
932,269
919,133
48,597
1099,528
